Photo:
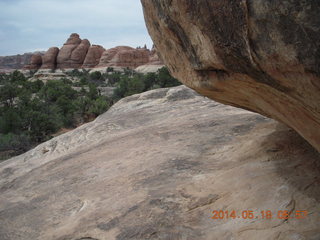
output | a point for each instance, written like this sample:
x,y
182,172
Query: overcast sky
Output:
x,y
32,25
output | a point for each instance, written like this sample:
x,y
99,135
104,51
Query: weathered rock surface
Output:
x,y
155,166
77,53
35,62
93,56
123,56
45,75
15,61
73,52
154,64
154,57
103,91
49,59
258,55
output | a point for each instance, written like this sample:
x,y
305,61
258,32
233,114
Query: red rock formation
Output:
x,y
154,58
35,62
77,53
93,56
49,60
15,61
73,52
124,56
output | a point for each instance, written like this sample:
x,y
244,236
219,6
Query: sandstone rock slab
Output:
x,y
155,166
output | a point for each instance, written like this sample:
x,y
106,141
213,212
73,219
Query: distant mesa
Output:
x,y
8,63
77,53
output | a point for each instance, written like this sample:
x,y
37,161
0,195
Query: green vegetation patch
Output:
x,y
31,112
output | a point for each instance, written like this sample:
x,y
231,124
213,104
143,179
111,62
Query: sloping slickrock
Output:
x,y
49,59
155,166
257,55
73,52
123,56
93,56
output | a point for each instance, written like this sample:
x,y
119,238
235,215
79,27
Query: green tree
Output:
x,y
8,93
121,89
96,75
10,121
149,80
135,85
53,89
164,79
17,77
98,106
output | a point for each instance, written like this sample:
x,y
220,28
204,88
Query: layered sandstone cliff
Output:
x,y
16,61
257,55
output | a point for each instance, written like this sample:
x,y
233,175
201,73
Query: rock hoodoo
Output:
x,y
124,56
258,55
35,62
49,59
73,52
77,53
93,56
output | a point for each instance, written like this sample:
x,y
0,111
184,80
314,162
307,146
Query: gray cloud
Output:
x,y
28,25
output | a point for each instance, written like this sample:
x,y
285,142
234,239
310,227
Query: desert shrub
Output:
x,y
97,76
31,112
14,142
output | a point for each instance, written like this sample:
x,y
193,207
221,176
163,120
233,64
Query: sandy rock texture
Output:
x,y
77,54
15,61
154,57
154,64
49,59
124,56
93,56
155,166
73,52
254,54
35,62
